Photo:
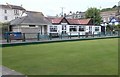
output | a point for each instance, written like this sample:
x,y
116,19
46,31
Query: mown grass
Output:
x,y
94,57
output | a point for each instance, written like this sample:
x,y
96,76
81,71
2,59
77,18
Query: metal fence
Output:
x,y
27,37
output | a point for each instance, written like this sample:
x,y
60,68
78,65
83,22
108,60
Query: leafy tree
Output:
x,y
94,14
118,27
109,28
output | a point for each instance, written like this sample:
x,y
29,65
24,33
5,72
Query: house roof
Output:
x,y
79,21
34,12
69,21
31,19
13,7
55,20
114,19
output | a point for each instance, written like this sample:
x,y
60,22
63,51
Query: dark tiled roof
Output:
x,y
13,7
34,12
31,19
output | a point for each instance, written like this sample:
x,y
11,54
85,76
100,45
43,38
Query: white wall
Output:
x,y
96,32
59,29
10,14
1,14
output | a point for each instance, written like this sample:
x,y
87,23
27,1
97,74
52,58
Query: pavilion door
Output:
x,y
90,29
64,29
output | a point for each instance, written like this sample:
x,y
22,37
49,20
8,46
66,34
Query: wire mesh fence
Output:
x,y
31,37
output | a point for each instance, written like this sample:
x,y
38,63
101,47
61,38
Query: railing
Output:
x,y
26,37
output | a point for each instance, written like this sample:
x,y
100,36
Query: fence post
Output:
x,y
105,34
50,36
86,34
70,35
93,34
38,36
99,34
61,35
118,33
24,37
8,38
78,34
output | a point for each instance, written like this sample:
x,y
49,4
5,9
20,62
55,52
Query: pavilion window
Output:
x,y
53,28
73,29
81,28
96,28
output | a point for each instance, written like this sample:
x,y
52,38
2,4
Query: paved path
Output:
x,y
6,72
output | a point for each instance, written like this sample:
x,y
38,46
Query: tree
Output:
x,y
118,27
94,14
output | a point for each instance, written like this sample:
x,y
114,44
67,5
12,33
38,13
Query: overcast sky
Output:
x,y
53,7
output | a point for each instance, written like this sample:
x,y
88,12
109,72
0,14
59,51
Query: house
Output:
x,y
33,22
77,15
107,15
63,25
9,12
108,18
114,21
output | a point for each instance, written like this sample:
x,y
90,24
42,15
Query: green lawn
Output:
x,y
93,57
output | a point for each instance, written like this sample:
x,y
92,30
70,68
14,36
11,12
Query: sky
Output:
x,y
53,7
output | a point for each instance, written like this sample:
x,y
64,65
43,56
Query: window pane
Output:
x,y
53,28
81,28
31,25
73,28
6,18
96,28
5,11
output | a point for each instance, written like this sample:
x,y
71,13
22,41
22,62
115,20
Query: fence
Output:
x,y
26,37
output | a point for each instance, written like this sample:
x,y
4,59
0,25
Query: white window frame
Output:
x,y
82,27
97,29
53,28
73,27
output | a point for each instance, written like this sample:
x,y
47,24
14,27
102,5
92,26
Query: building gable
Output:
x,y
64,20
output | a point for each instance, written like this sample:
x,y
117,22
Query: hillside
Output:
x,y
110,9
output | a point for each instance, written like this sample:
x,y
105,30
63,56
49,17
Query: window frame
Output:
x,y
97,29
5,17
16,12
73,28
81,28
53,28
5,11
